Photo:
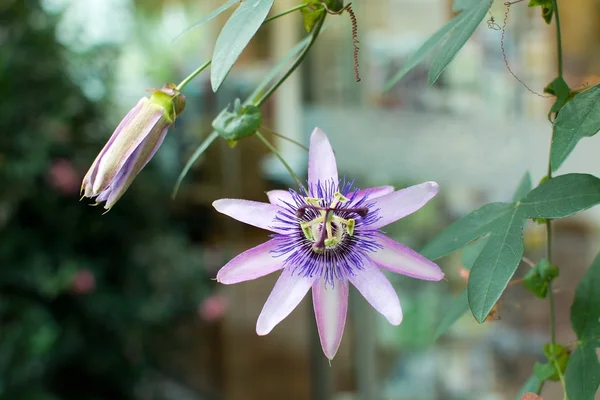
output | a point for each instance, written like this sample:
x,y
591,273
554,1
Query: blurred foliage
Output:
x,y
83,296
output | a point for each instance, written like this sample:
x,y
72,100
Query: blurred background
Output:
x,y
122,305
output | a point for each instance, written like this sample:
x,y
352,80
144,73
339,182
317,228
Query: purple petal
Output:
x,y
321,160
372,192
400,259
128,138
280,197
90,176
378,291
251,264
289,290
403,202
261,215
132,167
331,305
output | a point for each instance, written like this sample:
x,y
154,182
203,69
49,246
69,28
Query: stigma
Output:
x,y
327,229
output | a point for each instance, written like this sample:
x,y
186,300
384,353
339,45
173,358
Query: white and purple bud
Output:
x,y
132,145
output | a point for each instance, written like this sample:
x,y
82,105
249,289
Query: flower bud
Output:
x,y
132,145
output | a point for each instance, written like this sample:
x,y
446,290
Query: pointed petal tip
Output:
x,y
262,329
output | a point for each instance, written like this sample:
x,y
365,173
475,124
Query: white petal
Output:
x,y
331,305
401,259
403,202
378,291
261,215
280,197
289,290
321,160
251,264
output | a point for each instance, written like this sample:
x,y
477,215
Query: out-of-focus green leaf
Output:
x,y
539,277
209,16
235,36
524,187
431,44
459,36
496,264
582,376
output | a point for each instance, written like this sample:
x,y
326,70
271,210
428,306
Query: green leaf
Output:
x,y
471,252
432,43
496,264
582,376
559,88
579,118
524,187
242,122
547,8
235,36
532,385
201,149
456,310
312,14
467,229
585,311
562,196
543,372
208,17
457,40
539,277
294,51
558,356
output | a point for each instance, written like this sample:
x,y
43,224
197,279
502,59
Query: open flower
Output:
x,y
132,145
325,239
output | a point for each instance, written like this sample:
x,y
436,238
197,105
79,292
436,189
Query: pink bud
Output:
x,y
83,282
212,308
63,177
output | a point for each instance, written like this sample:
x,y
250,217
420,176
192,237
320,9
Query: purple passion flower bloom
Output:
x,y
132,145
325,239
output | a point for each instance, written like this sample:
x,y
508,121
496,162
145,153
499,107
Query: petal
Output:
x,y
373,192
280,197
321,160
129,136
251,264
136,162
401,259
90,176
261,215
403,202
378,291
331,305
289,290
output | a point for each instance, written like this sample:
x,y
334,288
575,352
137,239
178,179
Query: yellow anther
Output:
x,y
313,201
340,197
350,224
306,230
331,242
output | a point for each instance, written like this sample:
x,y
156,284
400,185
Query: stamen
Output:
x,y
350,224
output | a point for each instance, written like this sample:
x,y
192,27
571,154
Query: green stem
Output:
x,y
291,10
301,56
193,75
278,155
272,132
561,378
558,38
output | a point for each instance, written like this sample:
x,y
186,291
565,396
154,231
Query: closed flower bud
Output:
x,y
132,145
